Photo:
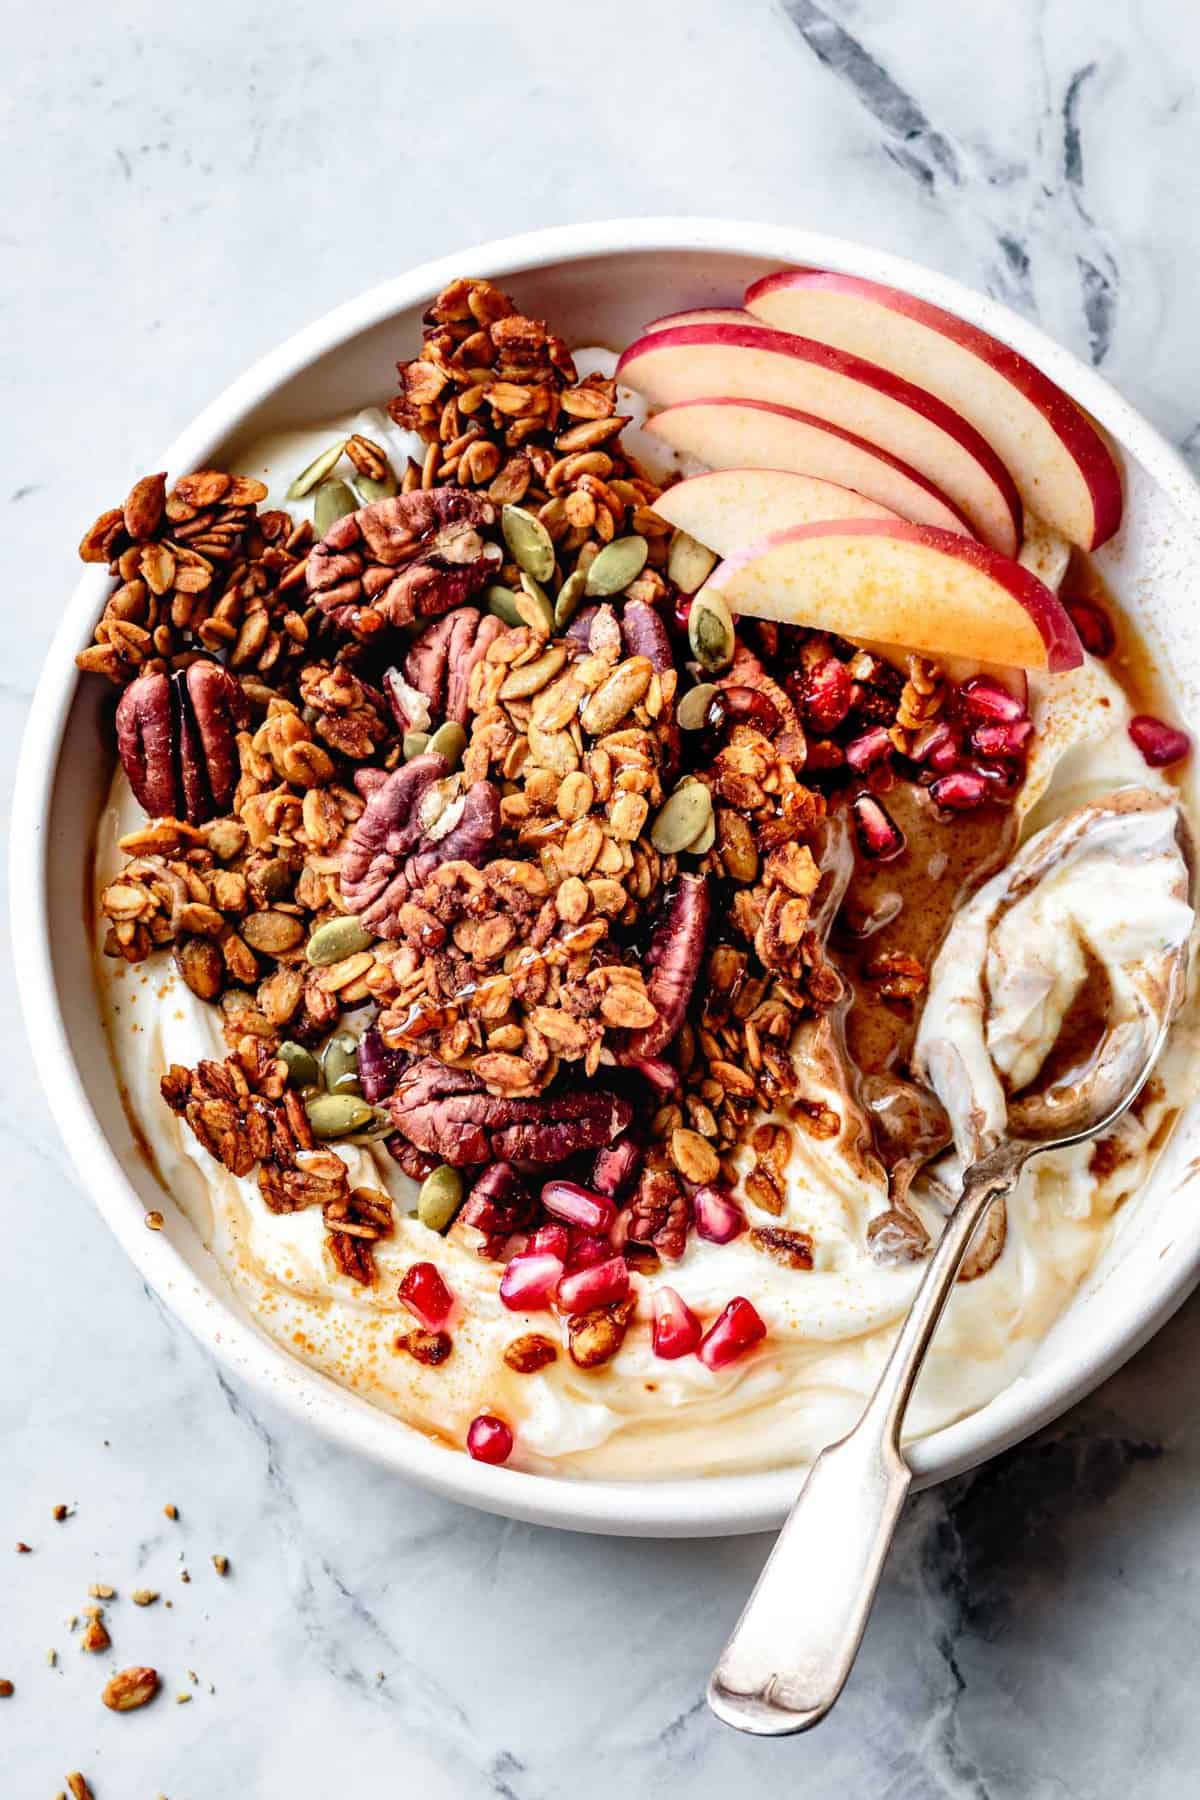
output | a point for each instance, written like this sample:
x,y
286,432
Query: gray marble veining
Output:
x,y
194,183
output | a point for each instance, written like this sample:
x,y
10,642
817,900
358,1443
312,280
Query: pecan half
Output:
x,y
595,1337
673,961
792,1248
177,740
411,557
660,1214
499,1204
449,1113
440,662
389,852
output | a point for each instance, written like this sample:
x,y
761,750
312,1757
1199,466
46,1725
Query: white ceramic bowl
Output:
x,y
598,283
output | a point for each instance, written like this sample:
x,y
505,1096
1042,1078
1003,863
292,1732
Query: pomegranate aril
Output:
x,y
824,754
489,1439
663,1078
743,706
1094,626
676,1330
984,698
878,835
600,1285
683,608
426,1295
826,695
1159,742
586,1251
736,1331
530,1281
1003,779
550,1240
961,790
616,1166
718,1216
945,755
871,748
930,739
578,1205
1006,738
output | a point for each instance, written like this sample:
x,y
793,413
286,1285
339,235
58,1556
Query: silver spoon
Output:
x,y
797,1638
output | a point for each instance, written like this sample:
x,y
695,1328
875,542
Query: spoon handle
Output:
x,y
796,1640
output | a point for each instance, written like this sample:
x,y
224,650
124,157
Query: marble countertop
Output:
x,y
187,187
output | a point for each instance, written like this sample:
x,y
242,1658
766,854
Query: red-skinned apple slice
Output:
x,y
754,363
703,315
933,591
731,434
1061,464
730,508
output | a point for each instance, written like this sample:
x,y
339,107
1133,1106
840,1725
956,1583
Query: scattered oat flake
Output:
x,y
62,1512
184,1576
130,1688
144,1596
154,1221
171,1510
99,1590
6,1690
24,1549
79,1787
52,1657
95,1637
182,1698
221,1564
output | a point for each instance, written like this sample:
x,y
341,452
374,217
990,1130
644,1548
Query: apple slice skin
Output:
x,y
918,554
702,315
863,467
830,360
726,509
1096,469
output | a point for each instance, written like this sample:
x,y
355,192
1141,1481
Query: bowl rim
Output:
x,y
693,1506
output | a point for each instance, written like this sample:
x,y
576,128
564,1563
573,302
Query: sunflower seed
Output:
x,y
336,939
617,565
334,500
530,544
334,1115
449,740
692,710
316,471
689,563
710,631
415,743
339,1064
302,1066
569,595
502,604
440,1198
534,608
684,817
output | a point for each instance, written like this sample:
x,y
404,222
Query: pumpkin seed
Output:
x,y
684,817
371,488
449,740
335,939
415,743
302,1066
335,1115
317,470
529,543
502,604
689,563
533,606
617,565
710,631
339,1064
569,595
692,710
705,841
334,500
440,1198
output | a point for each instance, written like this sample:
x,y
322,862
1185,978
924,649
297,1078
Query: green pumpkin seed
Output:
x,y
302,1066
339,1064
334,500
705,841
569,595
617,565
502,604
692,710
533,605
684,817
415,744
371,488
710,631
336,1115
529,543
440,1198
689,563
317,470
449,740
335,939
